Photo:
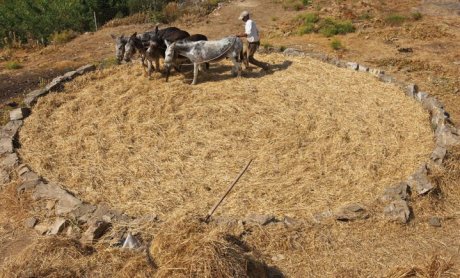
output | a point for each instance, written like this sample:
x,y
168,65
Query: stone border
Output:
x,y
74,216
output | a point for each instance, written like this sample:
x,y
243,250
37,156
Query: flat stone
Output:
x,y
10,129
447,135
386,78
30,222
376,72
22,169
219,220
439,117
431,103
278,257
290,222
435,221
397,210
396,192
420,96
260,219
351,212
419,181
66,202
6,145
363,68
293,52
438,155
73,232
411,90
95,231
104,213
70,74
86,68
58,226
50,204
131,242
32,97
9,161
4,177
353,65
41,228
29,181
322,216
19,114
83,212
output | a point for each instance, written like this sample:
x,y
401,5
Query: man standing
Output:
x,y
252,35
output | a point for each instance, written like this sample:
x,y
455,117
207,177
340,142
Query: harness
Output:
x,y
219,56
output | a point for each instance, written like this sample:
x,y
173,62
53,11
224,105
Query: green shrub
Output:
x,y
416,16
336,44
12,65
330,27
306,29
295,5
171,12
395,19
63,37
108,62
308,18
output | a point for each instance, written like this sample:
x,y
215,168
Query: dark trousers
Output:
x,y
249,55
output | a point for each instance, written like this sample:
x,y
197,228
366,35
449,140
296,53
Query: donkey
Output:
x,y
120,43
207,51
134,44
179,60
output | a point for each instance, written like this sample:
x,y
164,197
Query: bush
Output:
x,y
331,27
295,5
306,29
416,16
171,12
336,44
395,19
12,65
63,37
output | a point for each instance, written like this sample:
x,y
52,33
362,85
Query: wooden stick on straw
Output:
x,y
208,216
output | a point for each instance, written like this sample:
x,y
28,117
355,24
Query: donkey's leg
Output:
x,y
195,73
236,70
149,68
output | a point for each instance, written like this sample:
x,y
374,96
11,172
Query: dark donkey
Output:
x,y
152,39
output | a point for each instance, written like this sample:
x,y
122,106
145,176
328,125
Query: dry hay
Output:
x,y
187,247
320,136
60,257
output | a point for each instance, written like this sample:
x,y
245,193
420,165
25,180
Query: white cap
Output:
x,y
243,14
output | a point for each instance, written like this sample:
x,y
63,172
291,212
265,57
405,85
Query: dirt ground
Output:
x,y
331,250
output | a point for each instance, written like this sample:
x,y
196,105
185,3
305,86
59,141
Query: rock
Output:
x,y
351,212
397,210
131,242
419,181
22,169
103,212
431,103
56,83
9,161
70,74
439,117
353,65
41,228
321,216
65,201
363,68
32,97
73,232
411,90
435,221
58,226
4,177
95,231
405,49
6,145
420,96
29,181
260,219
85,69
289,221
376,72
19,114
386,78
396,192
293,52
83,212
10,129
30,222
438,155
447,135
50,204
220,220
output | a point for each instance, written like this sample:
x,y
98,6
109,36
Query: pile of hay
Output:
x,y
320,136
190,248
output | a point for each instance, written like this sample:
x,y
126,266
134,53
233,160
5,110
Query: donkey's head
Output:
x,y
120,43
169,54
153,47
130,47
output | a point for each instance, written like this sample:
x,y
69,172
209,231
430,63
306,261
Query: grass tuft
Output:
x,y
13,65
336,44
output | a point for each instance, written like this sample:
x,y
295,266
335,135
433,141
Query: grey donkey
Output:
x,y
205,52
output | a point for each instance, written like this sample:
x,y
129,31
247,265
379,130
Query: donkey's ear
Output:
x,y
134,35
113,36
167,43
156,29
